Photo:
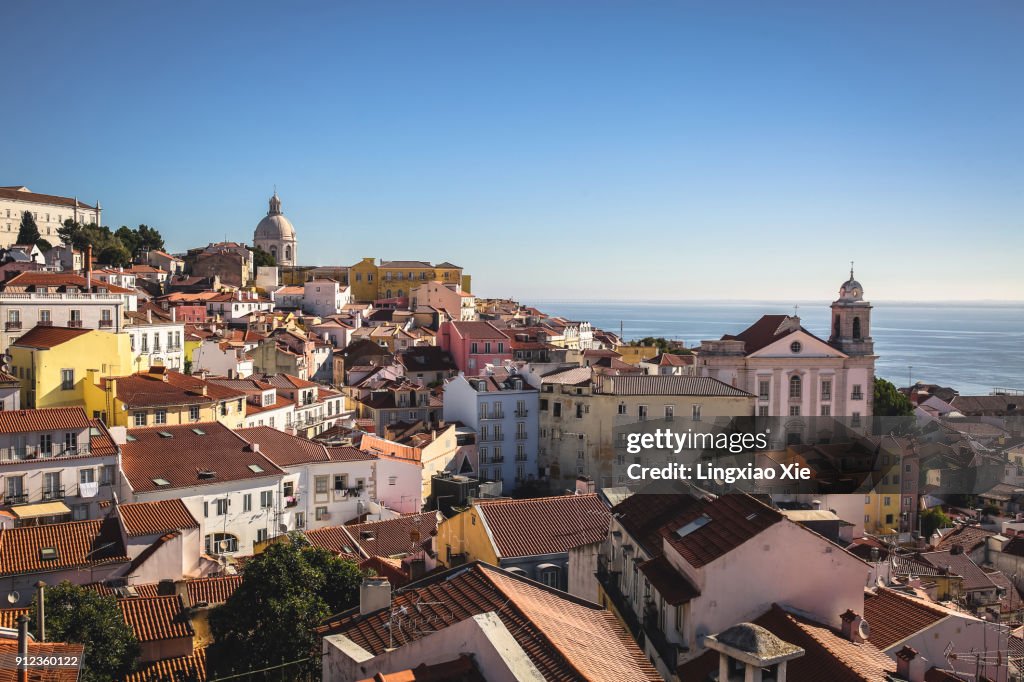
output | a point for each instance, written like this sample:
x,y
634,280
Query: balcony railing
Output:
x,y
44,323
609,581
53,494
12,326
670,652
521,436
18,498
106,324
857,395
35,452
75,324
522,413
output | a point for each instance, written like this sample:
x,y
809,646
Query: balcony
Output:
x,y
609,581
53,494
857,395
521,436
17,498
669,652
522,413
12,326
291,501
36,452
75,324
44,323
106,324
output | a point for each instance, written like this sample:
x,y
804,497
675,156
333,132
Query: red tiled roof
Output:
x,y
45,338
566,638
284,449
1015,547
349,454
386,568
545,525
156,618
643,514
155,518
968,537
141,589
35,278
478,330
894,616
760,334
100,441
828,656
212,590
959,564
218,450
9,617
77,543
462,669
394,537
13,192
43,419
733,520
334,539
9,649
191,668
148,389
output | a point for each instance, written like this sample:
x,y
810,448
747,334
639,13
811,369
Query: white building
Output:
x,y
503,410
276,235
221,358
49,211
56,464
156,340
324,296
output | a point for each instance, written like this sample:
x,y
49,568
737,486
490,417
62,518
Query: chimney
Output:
x,y
41,609
374,595
908,665
23,648
88,268
174,313
851,627
584,485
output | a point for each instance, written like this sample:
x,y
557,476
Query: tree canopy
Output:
x,y
889,402
84,616
271,618
933,519
662,344
28,232
112,248
262,258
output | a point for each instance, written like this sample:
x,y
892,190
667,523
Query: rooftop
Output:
x,y
670,384
57,546
43,419
155,518
546,525
156,618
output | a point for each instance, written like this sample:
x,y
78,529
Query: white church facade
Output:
x,y
275,234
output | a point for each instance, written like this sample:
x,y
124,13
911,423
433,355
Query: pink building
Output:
x,y
475,344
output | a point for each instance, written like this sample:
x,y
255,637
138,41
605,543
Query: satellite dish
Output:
x,y
13,597
864,630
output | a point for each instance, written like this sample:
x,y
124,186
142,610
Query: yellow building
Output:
x,y
160,396
634,355
882,510
397,278
53,363
464,534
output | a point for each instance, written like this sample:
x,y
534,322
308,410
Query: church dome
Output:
x,y
851,288
274,226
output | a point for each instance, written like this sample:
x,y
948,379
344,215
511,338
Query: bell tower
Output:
x,y
851,320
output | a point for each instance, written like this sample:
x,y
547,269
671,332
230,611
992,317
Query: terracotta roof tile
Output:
x,y
44,419
462,669
215,449
14,192
545,525
155,518
335,539
45,338
895,616
284,449
191,668
478,330
156,618
669,384
139,589
9,649
394,537
77,543
9,617
565,638
828,656
214,590
728,522
968,537
60,280
673,586
349,454
643,514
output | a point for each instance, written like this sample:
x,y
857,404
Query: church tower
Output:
x,y
851,320
275,234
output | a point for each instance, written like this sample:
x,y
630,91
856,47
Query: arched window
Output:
x,y
856,327
387,294
835,328
400,293
273,252
287,253
794,386
221,543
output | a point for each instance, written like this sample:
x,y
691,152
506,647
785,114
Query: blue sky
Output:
x,y
662,150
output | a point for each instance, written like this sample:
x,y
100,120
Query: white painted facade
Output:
x,y
49,215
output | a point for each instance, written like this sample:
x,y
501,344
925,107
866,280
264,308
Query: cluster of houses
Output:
x,y
163,423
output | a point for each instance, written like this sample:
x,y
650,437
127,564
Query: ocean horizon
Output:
x,y
973,346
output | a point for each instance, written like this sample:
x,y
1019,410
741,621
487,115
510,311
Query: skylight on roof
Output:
x,y
199,432
694,525
48,553
160,481
256,468
166,434
130,438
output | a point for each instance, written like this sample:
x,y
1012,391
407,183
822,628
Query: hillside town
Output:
x,y
185,437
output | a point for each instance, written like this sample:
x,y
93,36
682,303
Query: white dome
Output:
x,y
275,227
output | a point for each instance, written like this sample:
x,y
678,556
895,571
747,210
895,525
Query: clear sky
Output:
x,y
659,150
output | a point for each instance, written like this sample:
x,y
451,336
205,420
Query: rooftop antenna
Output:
x,y
851,269
796,307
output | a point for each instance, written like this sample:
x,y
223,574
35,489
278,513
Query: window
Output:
x,y
857,394
340,481
641,412
300,519
86,475
762,389
107,474
45,444
222,506
826,410
44,316
549,576
826,389
622,408
321,513
266,499
261,535
762,411
247,502
140,418
557,411
193,413
795,386
696,413
392,480
221,543
320,483
474,348
67,379
855,419
670,411
795,347
160,417
794,410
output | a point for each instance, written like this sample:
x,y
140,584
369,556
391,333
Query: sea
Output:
x,y
972,347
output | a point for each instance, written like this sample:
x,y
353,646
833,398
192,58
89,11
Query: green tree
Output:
x,y
271,618
261,258
933,519
129,239
889,402
80,615
149,239
28,232
114,253
44,245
